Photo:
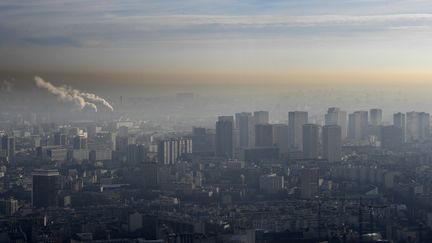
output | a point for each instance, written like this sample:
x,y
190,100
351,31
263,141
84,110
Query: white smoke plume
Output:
x,y
97,99
65,94
94,99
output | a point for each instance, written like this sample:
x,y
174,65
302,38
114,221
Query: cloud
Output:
x,y
266,20
51,41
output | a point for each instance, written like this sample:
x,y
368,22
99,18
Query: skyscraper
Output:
x,y
357,125
280,137
399,121
261,117
245,125
8,145
331,135
375,117
310,141
45,188
263,135
417,126
296,120
136,154
424,126
224,136
412,126
335,116
203,140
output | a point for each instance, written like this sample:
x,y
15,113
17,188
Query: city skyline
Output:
x,y
213,121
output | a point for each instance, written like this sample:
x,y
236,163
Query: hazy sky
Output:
x,y
221,41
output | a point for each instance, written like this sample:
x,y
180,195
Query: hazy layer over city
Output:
x,y
273,55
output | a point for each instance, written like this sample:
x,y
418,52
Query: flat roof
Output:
x,y
42,172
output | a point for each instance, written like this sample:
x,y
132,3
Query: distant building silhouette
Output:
x,y
358,125
263,135
331,136
417,126
245,123
296,120
399,120
224,136
335,116
8,146
261,117
280,137
375,117
310,141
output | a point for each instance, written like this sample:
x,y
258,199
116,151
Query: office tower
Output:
x,y
280,137
331,135
203,140
136,154
8,146
263,135
392,137
224,136
45,188
309,183
335,116
399,121
424,126
375,117
246,125
121,143
8,207
357,125
375,121
296,120
271,183
171,150
417,126
412,126
236,143
60,138
310,141
351,118
261,117
80,142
